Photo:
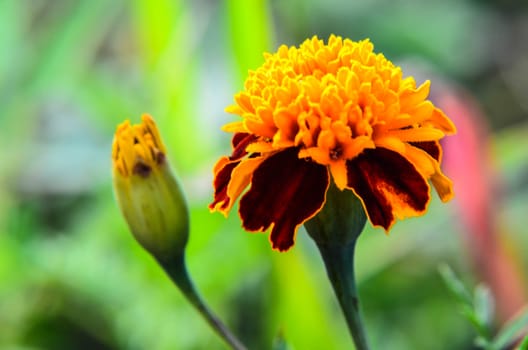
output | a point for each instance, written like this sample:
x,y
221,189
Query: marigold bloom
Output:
x,y
147,192
330,111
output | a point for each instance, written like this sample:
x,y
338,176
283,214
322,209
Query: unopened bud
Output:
x,y
147,192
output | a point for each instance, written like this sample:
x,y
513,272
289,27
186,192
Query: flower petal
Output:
x,y
413,97
285,192
241,178
240,142
222,176
441,121
424,157
388,185
430,167
416,134
260,147
234,127
339,173
431,147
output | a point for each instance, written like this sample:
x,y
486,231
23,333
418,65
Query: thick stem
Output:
x,y
177,271
339,263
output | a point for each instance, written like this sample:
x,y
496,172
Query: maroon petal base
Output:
x,y
388,184
285,192
239,143
431,147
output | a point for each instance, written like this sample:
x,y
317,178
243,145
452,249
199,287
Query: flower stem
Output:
x,y
339,263
177,271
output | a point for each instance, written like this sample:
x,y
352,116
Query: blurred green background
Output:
x,y
72,277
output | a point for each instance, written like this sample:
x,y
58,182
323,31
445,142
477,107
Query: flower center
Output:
x,y
336,153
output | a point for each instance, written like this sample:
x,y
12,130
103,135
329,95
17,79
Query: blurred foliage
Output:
x,y
479,311
71,276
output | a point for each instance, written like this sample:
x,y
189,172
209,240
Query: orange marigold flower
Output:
x,y
330,111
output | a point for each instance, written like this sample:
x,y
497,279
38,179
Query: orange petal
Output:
x,y
441,121
234,109
221,201
427,163
390,142
259,128
443,186
418,115
417,134
244,101
326,140
220,164
286,123
356,146
339,173
260,147
234,127
413,97
240,179
317,154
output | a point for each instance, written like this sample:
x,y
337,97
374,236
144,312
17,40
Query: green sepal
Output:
x,y
341,220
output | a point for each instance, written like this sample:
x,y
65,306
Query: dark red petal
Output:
x,y
376,171
285,192
237,138
431,147
224,167
240,141
221,180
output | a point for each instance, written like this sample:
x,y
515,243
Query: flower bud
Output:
x,y
147,192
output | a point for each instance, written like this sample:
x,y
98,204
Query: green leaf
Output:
x,y
511,331
524,344
455,285
484,308
481,329
482,343
478,309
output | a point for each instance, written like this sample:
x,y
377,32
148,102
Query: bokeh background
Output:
x,y
72,277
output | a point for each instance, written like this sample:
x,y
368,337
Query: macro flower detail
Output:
x,y
322,113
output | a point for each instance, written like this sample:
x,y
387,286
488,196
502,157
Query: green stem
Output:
x,y
177,271
339,263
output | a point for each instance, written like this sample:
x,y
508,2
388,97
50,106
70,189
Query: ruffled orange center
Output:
x,y
333,101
